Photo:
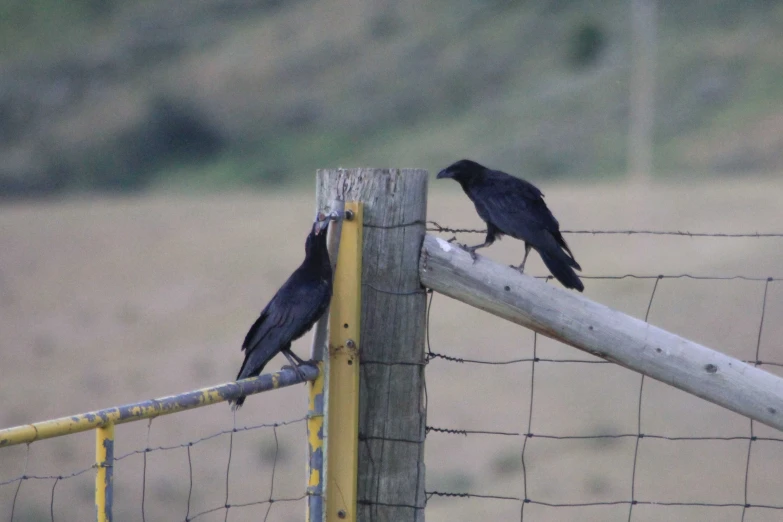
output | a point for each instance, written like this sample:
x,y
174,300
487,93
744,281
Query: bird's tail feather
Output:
x,y
560,267
562,242
236,404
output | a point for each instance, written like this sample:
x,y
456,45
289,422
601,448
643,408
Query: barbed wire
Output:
x,y
434,226
461,360
455,431
524,501
678,276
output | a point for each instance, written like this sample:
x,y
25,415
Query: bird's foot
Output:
x,y
311,362
469,250
520,268
296,370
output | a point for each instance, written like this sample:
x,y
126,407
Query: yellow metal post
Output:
x,y
315,410
104,480
315,444
342,373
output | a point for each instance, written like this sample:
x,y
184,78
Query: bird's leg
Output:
x,y
472,249
521,267
295,362
288,354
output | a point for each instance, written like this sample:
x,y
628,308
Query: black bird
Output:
x,y
514,207
294,309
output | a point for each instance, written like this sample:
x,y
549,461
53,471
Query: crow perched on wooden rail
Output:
x,y
294,309
514,207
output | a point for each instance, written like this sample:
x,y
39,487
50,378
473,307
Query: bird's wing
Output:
x,y
260,327
290,313
514,206
518,209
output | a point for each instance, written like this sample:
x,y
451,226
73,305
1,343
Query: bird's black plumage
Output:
x,y
514,207
293,310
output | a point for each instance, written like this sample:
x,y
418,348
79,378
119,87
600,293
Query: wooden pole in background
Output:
x,y
392,411
642,118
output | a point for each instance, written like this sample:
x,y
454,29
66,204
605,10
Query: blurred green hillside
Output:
x,y
109,95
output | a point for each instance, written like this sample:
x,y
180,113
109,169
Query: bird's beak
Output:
x,y
321,224
445,173
322,221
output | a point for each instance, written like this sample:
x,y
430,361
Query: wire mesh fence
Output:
x,y
554,434
262,476
518,425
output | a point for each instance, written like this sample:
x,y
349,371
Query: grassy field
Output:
x,y
108,301
110,96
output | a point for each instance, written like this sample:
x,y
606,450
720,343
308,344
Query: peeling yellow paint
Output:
x,y
313,437
103,422
315,424
104,460
315,478
317,386
121,414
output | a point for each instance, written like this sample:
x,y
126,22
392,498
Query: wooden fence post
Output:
x,y
392,409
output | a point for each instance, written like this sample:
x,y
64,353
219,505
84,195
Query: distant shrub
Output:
x,y
587,44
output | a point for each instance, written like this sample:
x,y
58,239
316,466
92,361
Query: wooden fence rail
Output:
x,y
597,329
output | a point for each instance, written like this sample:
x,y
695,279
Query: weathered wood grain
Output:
x,y
392,413
612,335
